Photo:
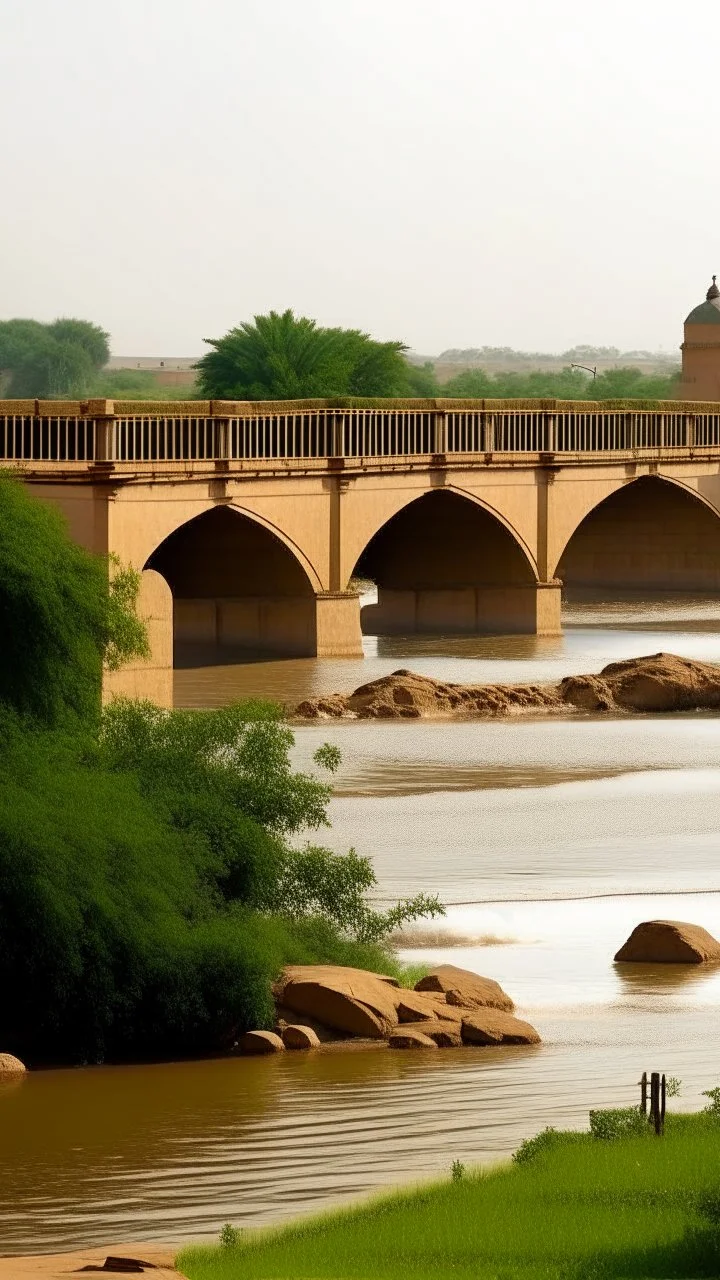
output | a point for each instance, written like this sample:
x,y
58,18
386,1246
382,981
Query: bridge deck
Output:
x,y
76,435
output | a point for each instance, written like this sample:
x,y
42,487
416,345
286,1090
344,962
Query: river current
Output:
x,y
548,839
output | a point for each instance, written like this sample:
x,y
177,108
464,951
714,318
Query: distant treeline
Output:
x,y
285,357
566,384
582,354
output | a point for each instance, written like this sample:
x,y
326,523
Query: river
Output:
x,y
549,839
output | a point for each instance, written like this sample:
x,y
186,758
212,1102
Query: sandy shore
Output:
x,y
57,1266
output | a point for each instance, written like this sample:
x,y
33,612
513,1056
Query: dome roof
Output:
x,y
709,311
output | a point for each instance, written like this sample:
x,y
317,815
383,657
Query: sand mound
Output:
x,y
661,682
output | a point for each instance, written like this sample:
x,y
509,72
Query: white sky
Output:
x,y
451,173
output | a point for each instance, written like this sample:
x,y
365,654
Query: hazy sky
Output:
x,y
454,173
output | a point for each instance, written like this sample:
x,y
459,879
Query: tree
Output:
x,y
288,357
83,333
51,361
60,616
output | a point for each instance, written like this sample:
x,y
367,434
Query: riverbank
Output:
x,y
661,682
57,1266
576,1206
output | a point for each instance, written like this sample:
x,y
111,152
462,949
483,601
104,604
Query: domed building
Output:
x,y
701,350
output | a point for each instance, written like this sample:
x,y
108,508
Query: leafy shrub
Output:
x,y
620,1122
713,1106
547,1140
457,1171
149,891
59,616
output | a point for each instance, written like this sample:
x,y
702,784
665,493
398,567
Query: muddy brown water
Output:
x,y
554,836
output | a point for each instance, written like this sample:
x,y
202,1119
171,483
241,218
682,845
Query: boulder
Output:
x,y
260,1042
298,1037
10,1066
669,942
349,1000
409,1038
465,989
445,1034
414,1006
493,1026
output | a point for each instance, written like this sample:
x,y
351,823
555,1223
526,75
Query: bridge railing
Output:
x,y
101,432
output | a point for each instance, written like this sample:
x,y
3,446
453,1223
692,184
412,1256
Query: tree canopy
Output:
x,y
289,357
51,361
60,616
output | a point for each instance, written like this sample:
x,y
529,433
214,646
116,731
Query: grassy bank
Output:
x,y
580,1208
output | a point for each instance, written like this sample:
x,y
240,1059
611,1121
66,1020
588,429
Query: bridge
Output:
x,y
251,522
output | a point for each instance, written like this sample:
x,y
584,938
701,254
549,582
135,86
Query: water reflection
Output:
x,y
667,979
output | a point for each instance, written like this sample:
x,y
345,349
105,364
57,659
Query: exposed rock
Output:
x,y
406,695
10,1066
409,1038
260,1042
465,989
660,682
588,693
413,1006
350,1000
664,682
447,1035
492,1026
669,942
298,1037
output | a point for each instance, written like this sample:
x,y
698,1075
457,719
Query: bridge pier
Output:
x,y
525,609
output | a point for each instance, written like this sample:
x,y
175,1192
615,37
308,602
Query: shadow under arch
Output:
x,y
236,586
444,564
652,535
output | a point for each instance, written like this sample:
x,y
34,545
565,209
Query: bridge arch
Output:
x,y
446,563
236,583
652,533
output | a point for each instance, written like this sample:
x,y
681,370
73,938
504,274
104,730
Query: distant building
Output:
x,y
701,350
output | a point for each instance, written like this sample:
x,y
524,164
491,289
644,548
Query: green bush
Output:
x,y
149,890
621,1122
59,615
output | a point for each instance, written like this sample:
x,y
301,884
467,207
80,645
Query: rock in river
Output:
x,y
669,942
299,1037
349,1000
260,1042
465,989
408,1038
10,1066
492,1026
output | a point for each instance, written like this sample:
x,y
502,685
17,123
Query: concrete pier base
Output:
x,y
322,626
337,625
532,609
153,678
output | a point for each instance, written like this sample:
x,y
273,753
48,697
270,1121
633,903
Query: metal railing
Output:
x,y
102,433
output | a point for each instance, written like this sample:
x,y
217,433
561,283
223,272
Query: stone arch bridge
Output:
x,y
251,522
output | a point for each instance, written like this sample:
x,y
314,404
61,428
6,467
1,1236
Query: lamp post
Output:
x,y
586,368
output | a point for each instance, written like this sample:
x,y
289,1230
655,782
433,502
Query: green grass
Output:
x,y
579,1208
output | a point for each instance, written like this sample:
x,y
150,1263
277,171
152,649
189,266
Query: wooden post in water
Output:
x,y
643,1093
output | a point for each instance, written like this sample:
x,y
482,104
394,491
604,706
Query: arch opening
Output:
x,y
235,587
649,537
445,565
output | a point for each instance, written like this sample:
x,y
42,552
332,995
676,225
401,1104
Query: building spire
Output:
x,y
713,291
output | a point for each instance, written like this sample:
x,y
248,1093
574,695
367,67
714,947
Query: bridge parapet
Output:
x,y
121,433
